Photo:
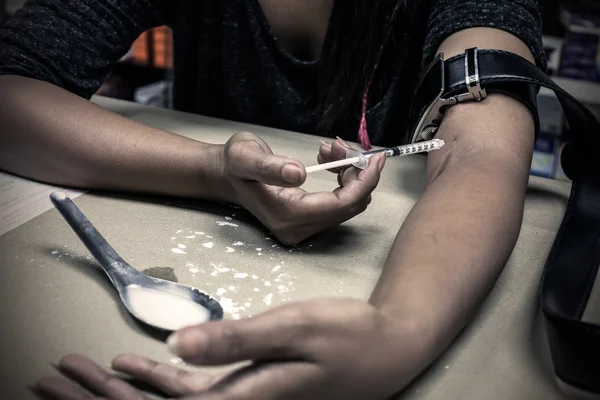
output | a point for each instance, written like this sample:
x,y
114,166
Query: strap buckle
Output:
x,y
432,116
476,92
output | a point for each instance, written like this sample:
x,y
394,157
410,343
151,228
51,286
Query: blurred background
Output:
x,y
571,39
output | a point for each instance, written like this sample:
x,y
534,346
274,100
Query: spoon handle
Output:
x,y
91,238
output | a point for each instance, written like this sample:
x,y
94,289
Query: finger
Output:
x,y
172,381
293,380
96,379
336,151
248,160
58,388
345,202
280,333
358,184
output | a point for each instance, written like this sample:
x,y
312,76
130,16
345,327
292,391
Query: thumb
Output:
x,y
277,334
248,160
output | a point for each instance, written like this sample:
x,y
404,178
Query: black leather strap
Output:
x,y
572,265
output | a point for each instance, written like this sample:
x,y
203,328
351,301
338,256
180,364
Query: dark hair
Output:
x,y
357,32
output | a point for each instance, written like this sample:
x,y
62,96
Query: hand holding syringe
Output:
x,y
360,160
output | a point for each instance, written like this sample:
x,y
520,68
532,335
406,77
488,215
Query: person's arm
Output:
x,y
54,50
460,234
54,136
53,57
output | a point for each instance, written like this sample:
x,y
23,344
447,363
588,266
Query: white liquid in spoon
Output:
x,y
164,310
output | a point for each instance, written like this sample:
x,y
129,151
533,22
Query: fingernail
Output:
x,y
342,141
381,163
291,173
324,142
172,343
192,345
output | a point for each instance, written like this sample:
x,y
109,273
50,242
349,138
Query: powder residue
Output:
x,y
177,250
208,245
225,223
276,268
268,298
181,246
240,275
238,244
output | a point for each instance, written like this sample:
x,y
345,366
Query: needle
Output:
x,y
359,160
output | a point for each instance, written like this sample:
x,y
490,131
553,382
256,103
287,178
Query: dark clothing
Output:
x,y
227,63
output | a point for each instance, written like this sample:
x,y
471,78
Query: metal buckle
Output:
x,y
433,114
472,77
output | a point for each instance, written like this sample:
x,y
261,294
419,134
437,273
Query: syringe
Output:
x,y
360,160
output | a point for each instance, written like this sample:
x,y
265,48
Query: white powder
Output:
x,y
163,309
221,291
228,218
227,305
224,223
254,277
268,298
247,304
283,289
208,245
240,275
176,360
179,231
219,268
232,288
267,283
238,244
276,268
199,233
256,289
181,246
177,250
191,237
194,270
260,254
55,252
173,238
258,249
229,249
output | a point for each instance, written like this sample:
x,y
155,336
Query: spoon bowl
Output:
x,y
159,303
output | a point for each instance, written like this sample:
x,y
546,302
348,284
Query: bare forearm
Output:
x,y
460,234
54,136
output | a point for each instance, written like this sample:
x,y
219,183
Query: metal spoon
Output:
x,y
121,274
